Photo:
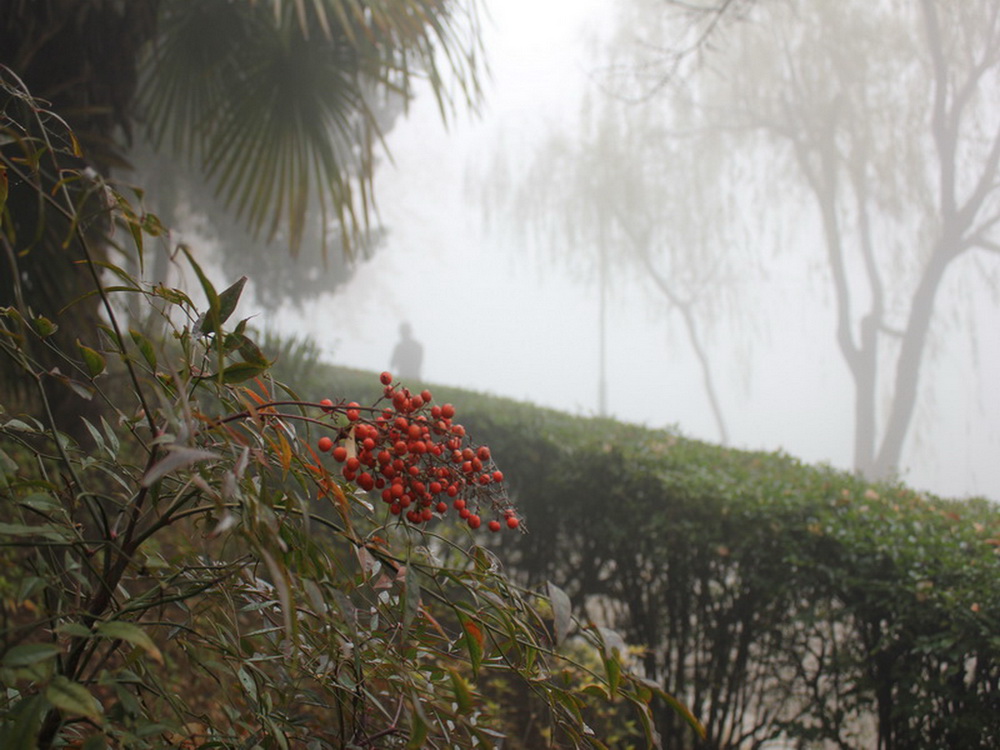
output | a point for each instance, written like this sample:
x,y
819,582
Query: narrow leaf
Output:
x,y
418,732
73,698
23,722
44,327
463,695
144,346
411,599
562,611
473,642
211,321
30,653
127,631
92,359
237,373
229,298
177,458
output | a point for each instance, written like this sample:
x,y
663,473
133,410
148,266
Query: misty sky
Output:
x,y
495,317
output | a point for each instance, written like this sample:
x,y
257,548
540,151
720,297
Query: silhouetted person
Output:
x,y
408,355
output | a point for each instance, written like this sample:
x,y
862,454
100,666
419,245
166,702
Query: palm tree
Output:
x,y
278,106
277,103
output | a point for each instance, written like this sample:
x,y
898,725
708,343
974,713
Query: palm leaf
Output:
x,y
278,103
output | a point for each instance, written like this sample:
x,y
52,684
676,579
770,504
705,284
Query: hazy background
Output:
x,y
496,316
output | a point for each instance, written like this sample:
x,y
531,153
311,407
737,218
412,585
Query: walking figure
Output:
x,y
408,355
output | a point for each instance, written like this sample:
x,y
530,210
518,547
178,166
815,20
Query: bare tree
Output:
x,y
600,200
888,115
884,116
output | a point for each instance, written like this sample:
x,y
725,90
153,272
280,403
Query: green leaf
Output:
x,y
212,319
418,732
473,638
74,629
248,683
73,698
252,353
237,373
97,436
597,691
112,438
562,611
41,502
613,669
144,346
92,359
8,466
44,327
411,599
177,457
23,722
30,653
230,298
131,633
460,688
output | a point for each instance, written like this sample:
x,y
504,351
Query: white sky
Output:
x,y
494,318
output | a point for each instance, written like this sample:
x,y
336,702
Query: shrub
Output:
x,y
196,571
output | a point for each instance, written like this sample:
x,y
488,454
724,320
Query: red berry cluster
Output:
x,y
419,459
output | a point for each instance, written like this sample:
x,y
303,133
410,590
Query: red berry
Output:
x,y
498,476
385,378
326,404
441,507
483,453
494,526
474,521
425,395
340,453
324,444
513,522
447,411
365,481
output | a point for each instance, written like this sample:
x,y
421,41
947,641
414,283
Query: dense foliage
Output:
x,y
774,598
193,570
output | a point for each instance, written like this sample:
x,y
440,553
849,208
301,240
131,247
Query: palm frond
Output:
x,y
279,102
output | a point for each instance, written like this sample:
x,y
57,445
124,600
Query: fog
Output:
x,y
499,315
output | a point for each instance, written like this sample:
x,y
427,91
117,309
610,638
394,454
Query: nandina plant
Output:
x,y
214,562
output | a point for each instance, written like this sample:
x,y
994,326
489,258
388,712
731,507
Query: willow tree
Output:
x,y
872,130
886,116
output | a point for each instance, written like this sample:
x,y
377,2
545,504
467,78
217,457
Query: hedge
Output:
x,y
779,600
